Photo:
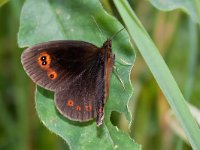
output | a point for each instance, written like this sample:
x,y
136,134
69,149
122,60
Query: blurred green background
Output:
x,y
175,35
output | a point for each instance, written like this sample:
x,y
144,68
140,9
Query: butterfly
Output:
x,y
77,72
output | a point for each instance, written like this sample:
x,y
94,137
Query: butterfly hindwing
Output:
x,y
80,99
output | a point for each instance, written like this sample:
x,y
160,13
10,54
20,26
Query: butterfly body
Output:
x,y
77,72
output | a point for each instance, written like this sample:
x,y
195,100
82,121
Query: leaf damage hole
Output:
x,y
119,120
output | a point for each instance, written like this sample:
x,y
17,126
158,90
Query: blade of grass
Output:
x,y
192,60
191,68
160,71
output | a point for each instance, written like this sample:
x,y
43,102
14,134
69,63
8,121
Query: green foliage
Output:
x,y
76,21
161,73
175,35
191,7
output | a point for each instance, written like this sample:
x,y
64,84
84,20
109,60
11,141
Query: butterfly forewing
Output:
x,y
53,65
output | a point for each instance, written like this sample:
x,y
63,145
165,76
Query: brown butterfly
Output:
x,y
78,72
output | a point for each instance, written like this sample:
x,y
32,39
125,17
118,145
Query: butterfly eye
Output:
x,y
110,44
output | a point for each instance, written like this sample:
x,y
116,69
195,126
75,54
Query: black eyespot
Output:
x,y
44,63
43,58
51,75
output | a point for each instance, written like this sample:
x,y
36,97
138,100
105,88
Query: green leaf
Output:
x,y
191,7
43,20
161,72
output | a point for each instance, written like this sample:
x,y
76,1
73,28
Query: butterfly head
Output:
x,y
107,44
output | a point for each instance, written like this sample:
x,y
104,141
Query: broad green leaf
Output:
x,y
45,20
161,72
191,7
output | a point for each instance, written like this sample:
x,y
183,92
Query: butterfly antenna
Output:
x,y
98,28
111,38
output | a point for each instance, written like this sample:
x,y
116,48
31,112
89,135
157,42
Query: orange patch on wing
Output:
x,y
52,74
78,108
44,60
88,108
70,103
